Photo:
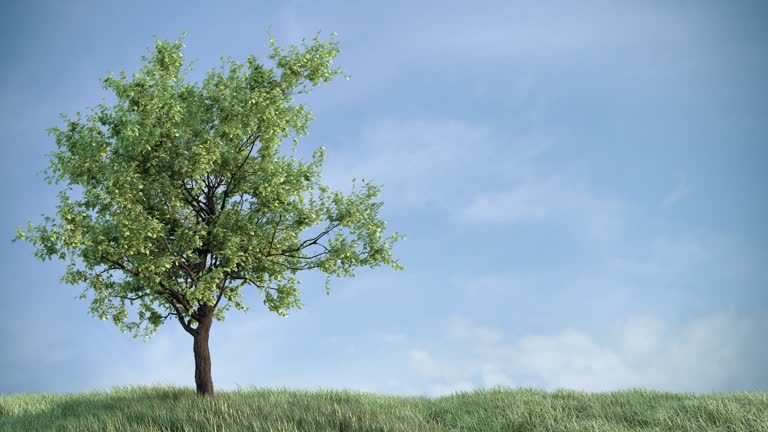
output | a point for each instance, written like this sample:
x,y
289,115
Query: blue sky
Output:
x,y
580,187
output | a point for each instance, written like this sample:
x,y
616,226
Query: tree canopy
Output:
x,y
186,199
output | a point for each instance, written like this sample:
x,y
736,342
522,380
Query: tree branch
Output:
x,y
230,185
182,261
280,218
133,298
107,269
191,200
327,251
221,293
289,267
120,266
305,243
175,295
186,325
237,275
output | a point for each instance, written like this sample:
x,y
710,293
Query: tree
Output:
x,y
176,202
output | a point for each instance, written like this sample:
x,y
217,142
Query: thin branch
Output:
x,y
252,282
107,269
218,183
221,293
290,267
305,243
200,215
280,218
318,237
120,266
327,251
242,201
230,184
192,201
237,275
133,298
182,261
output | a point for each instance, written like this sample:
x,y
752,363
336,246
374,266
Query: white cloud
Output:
x,y
570,360
493,376
423,362
715,352
701,357
641,337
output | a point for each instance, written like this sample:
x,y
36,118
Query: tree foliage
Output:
x,y
186,200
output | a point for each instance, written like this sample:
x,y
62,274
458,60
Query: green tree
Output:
x,y
177,203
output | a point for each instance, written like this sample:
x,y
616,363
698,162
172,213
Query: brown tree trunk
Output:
x,y
203,380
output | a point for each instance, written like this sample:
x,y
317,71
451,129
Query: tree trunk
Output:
x,y
203,380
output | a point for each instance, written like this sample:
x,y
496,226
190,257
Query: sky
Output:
x,y
579,185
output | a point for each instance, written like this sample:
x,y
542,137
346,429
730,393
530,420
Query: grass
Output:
x,y
169,408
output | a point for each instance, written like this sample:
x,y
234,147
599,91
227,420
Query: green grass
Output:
x,y
168,408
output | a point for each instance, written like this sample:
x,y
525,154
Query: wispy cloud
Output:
x,y
396,338
424,159
565,199
290,27
609,37
678,193
456,168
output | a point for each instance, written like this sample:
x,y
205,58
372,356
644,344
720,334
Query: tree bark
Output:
x,y
203,380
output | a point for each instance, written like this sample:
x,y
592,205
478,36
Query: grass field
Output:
x,y
169,408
